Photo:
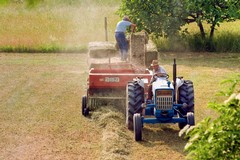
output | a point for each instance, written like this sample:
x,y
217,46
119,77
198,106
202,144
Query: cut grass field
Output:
x,y
40,103
39,109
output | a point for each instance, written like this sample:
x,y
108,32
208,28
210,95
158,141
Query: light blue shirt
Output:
x,y
122,26
160,70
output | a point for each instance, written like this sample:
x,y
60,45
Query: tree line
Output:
x,y
166,18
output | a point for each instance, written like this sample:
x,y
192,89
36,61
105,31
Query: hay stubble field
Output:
x,y
40,94
40,107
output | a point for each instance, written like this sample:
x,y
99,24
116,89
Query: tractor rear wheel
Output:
x,y
137,125
134,100
186,95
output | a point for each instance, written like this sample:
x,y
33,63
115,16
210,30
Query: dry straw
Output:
x,y
115,140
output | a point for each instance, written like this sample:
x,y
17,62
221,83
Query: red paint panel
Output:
x,y
113,80
114,75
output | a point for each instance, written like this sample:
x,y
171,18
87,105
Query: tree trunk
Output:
x,y
210,45
200,25
212,31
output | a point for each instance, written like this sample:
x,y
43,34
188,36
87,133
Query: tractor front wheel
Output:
x,y
190,118
134,100
181,125
137,125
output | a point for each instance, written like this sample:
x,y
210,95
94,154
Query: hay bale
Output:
x,y
142,50
101,49
137,47
151,53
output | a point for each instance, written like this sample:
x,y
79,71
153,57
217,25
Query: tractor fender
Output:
x,y
179,82
139,81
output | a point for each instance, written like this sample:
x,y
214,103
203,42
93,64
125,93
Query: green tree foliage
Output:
x,y
28,3
219,138
3,2
155,16
166,17
213,12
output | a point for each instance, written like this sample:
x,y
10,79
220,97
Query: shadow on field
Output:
x,y
163,134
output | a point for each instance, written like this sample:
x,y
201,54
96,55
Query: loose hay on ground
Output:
x,y
114,137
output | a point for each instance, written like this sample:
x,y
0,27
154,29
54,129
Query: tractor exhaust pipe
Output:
x,y
174,77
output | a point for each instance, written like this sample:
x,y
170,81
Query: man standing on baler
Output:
x,y
121,38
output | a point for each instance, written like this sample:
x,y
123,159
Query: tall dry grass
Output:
x,y
49,25
226,39
58,25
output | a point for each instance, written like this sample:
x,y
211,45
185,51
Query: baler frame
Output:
x,y
107,82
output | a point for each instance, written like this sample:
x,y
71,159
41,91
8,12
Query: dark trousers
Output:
x,y
122,44
150,93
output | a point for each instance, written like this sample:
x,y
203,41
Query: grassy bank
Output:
x,y
55,26
68,26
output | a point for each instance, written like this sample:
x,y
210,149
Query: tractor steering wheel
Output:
x,y
161,75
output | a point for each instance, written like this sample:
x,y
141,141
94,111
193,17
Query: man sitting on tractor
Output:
x,y
157,71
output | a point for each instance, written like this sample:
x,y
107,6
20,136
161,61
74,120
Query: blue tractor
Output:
x,y
172,102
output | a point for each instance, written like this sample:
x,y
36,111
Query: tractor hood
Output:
x,y
161,83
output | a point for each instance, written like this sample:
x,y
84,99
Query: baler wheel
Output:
x,y
134,100
85,110
137,125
